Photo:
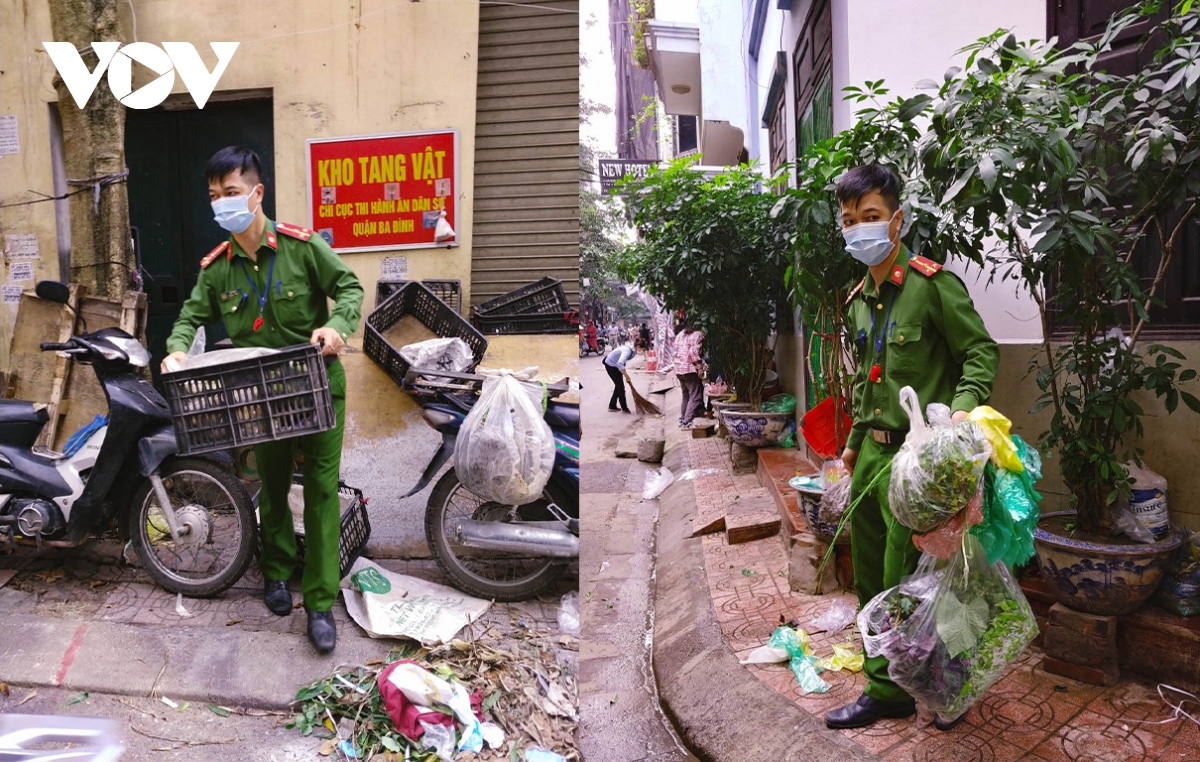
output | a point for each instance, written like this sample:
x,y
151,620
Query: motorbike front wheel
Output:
x,y
219,531
488,574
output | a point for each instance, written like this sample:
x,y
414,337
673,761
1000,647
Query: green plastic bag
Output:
x,y
780,403
803,663
1010,508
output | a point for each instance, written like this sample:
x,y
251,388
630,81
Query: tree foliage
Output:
x,y
711,248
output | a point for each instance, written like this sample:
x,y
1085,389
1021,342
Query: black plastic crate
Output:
x,y
449,291
278,396
546,296
416,300
356,529
564,322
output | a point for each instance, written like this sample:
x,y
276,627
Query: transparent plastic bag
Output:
x,y
960,640
944,540
656,482
505,449
451,354
881,622
837,617
834,502
936,472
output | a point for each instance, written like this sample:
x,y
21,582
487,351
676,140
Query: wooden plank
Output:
x,y
62,366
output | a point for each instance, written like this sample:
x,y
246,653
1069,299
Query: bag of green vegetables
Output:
x,y
936,472
961,635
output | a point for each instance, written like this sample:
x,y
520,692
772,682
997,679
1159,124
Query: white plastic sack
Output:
x,y
451,354
505,449
656,482
390,605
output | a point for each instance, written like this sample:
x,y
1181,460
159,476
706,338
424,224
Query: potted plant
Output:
x,y
710,248
1079,174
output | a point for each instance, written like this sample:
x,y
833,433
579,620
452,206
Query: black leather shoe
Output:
x,y
322,632
867,711
944,725
277,597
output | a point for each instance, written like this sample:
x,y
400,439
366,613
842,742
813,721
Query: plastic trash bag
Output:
x,y
1130,524
844,657
451,354
1010,508
837,617
801,659
997,429
656,482
696,473
568,614
439,738
780,403
882,619
963,635
505,449
945,539
537,754
834,502
936,472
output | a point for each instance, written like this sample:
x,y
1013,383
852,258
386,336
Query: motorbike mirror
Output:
x,y
53,291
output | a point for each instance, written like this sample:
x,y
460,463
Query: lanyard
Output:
x,y
876,373
262,298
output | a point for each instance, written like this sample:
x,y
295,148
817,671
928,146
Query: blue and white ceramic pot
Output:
x,y
751,428
1106,579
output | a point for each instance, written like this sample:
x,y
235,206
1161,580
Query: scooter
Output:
x,y
499,552
191,521
585,349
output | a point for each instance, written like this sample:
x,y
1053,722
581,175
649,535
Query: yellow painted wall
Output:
x,y
333,69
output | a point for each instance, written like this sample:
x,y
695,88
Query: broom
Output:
x,y
641,404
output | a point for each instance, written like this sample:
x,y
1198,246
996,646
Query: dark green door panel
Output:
x,y
168,197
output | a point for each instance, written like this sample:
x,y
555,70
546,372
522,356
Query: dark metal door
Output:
x,y
168,198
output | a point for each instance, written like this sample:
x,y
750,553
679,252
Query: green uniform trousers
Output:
x,y
882,551
322,454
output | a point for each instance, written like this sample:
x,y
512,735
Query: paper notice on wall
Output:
x,y
20,271
10,141
21,246
11,294
395,267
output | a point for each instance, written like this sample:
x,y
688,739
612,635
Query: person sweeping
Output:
x,y
913,324
614,365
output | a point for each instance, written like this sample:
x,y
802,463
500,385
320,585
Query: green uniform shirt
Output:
x,y
306,273
934,342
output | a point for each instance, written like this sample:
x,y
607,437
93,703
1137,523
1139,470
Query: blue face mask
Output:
x,y
233,212
868,242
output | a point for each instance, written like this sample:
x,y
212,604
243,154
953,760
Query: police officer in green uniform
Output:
x,y
269,284
913,325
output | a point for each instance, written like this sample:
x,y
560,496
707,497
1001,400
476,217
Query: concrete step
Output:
x,y
776,467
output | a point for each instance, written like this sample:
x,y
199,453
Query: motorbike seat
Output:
x,y
19,411
562,415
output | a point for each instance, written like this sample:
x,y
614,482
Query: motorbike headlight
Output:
x,y
133,349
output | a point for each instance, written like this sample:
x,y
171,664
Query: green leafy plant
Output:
x,y
1077,172
710,247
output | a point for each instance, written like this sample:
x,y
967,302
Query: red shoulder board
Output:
x,y
926,267
855,291
294,231
210,256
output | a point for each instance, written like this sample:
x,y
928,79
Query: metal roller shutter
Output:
x,y
526,223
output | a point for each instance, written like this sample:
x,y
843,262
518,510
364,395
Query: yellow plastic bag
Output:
x,y
843,658
997,429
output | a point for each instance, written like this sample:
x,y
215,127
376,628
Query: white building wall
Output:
x,y
722,82
677,11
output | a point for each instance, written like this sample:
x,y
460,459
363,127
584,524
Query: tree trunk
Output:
x,y
102,257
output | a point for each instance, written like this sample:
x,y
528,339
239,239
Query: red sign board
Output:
x,y
374,192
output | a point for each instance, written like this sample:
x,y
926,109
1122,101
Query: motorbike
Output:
x,y
499,552
585,349
190,520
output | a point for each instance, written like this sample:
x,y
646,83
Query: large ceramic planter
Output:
x,y
751,428
810,509
1101,578
720,406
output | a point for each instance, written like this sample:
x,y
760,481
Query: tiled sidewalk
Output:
x,y
1027,715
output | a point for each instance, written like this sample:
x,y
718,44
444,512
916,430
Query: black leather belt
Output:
x,y
887,437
